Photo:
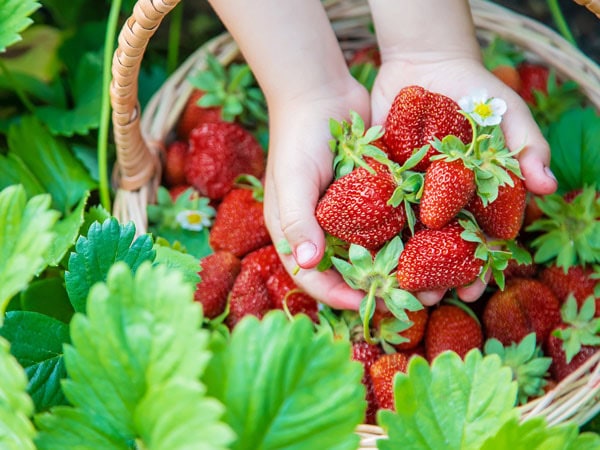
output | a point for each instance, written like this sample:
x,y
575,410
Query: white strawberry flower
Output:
x,y
484,110
193,220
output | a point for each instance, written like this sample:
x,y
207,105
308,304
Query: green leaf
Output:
x,y
575,148
536,434
450,405
49,158
66,231
14,171
47,296
87,94
187,264
105,244
139,345
16,431
37,343
14,18
283,386
25,235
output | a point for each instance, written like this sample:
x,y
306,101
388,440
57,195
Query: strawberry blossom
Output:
x,y
484,110
193,220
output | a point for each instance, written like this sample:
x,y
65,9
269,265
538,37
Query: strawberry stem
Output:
x,y
369,308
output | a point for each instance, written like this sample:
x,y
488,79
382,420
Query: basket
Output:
x,y
141,138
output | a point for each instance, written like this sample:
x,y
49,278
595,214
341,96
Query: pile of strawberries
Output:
x,y
430,201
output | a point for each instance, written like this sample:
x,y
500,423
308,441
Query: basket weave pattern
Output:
x,y
140,139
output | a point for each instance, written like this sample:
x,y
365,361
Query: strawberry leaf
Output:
x,y
137,353
14,171
305,390
451,404
105,244
14,18
535,433
25,236
16,431
187,264
46,296
37,343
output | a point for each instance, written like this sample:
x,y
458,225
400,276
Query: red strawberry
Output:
x,y
265,261
283,290
239,225
249,295
576,280
525,306
503,217
354,208
516,270
219,153
534,77
175,160
454,328
176,191
367,354
438,259
416,117
509,75
217,275
194,115
382,374
560,368
414,333
448,187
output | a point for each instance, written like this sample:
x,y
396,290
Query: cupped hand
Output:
x,y
299,170
457,76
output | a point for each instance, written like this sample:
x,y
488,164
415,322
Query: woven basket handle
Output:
x,y
592,5
136,164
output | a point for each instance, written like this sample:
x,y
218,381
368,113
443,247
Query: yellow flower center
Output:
x,y
483,110
194,218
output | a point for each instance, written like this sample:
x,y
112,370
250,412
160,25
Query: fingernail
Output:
x,y
549,173
305,252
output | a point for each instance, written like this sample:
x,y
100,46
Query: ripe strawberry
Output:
x,y
176,191
503,217
576,280
452,327
508,75
560,369
219,153
194,115
249,295
175,161
367,354
438,259
355,207
239,225
411,334
525,306
284,293
382,374
448,187
534,77
217,275
416,117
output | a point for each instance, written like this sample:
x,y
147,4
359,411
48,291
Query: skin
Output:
x,y
300,68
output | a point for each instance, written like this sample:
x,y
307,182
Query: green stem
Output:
x,y
560,22
17,87
102,150
370,306
174,38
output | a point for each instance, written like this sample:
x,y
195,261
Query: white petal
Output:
x,y
466,104
498,106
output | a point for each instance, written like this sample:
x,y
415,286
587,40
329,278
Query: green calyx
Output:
x,y
350,143
569,232
528,365
247,181
583,328
233,89
377,278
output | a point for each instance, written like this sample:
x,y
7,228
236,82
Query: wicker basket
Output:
x,y
140,139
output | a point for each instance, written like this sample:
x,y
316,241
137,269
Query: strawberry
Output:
x,y
382,374
416,117
411,333
501,58
264,261
534,77
284,293
503,217
355,207
577,281
452,327
509,75
194,115
367,354
560,368
449,186
239,225
217,275
249,295
369,54
438,259
176,191
175,160
218,154
525,306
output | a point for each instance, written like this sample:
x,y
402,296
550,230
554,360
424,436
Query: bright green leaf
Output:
x,y
36,342
67,230
14,18
14,171
105,244
25,235
450,405
187,264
